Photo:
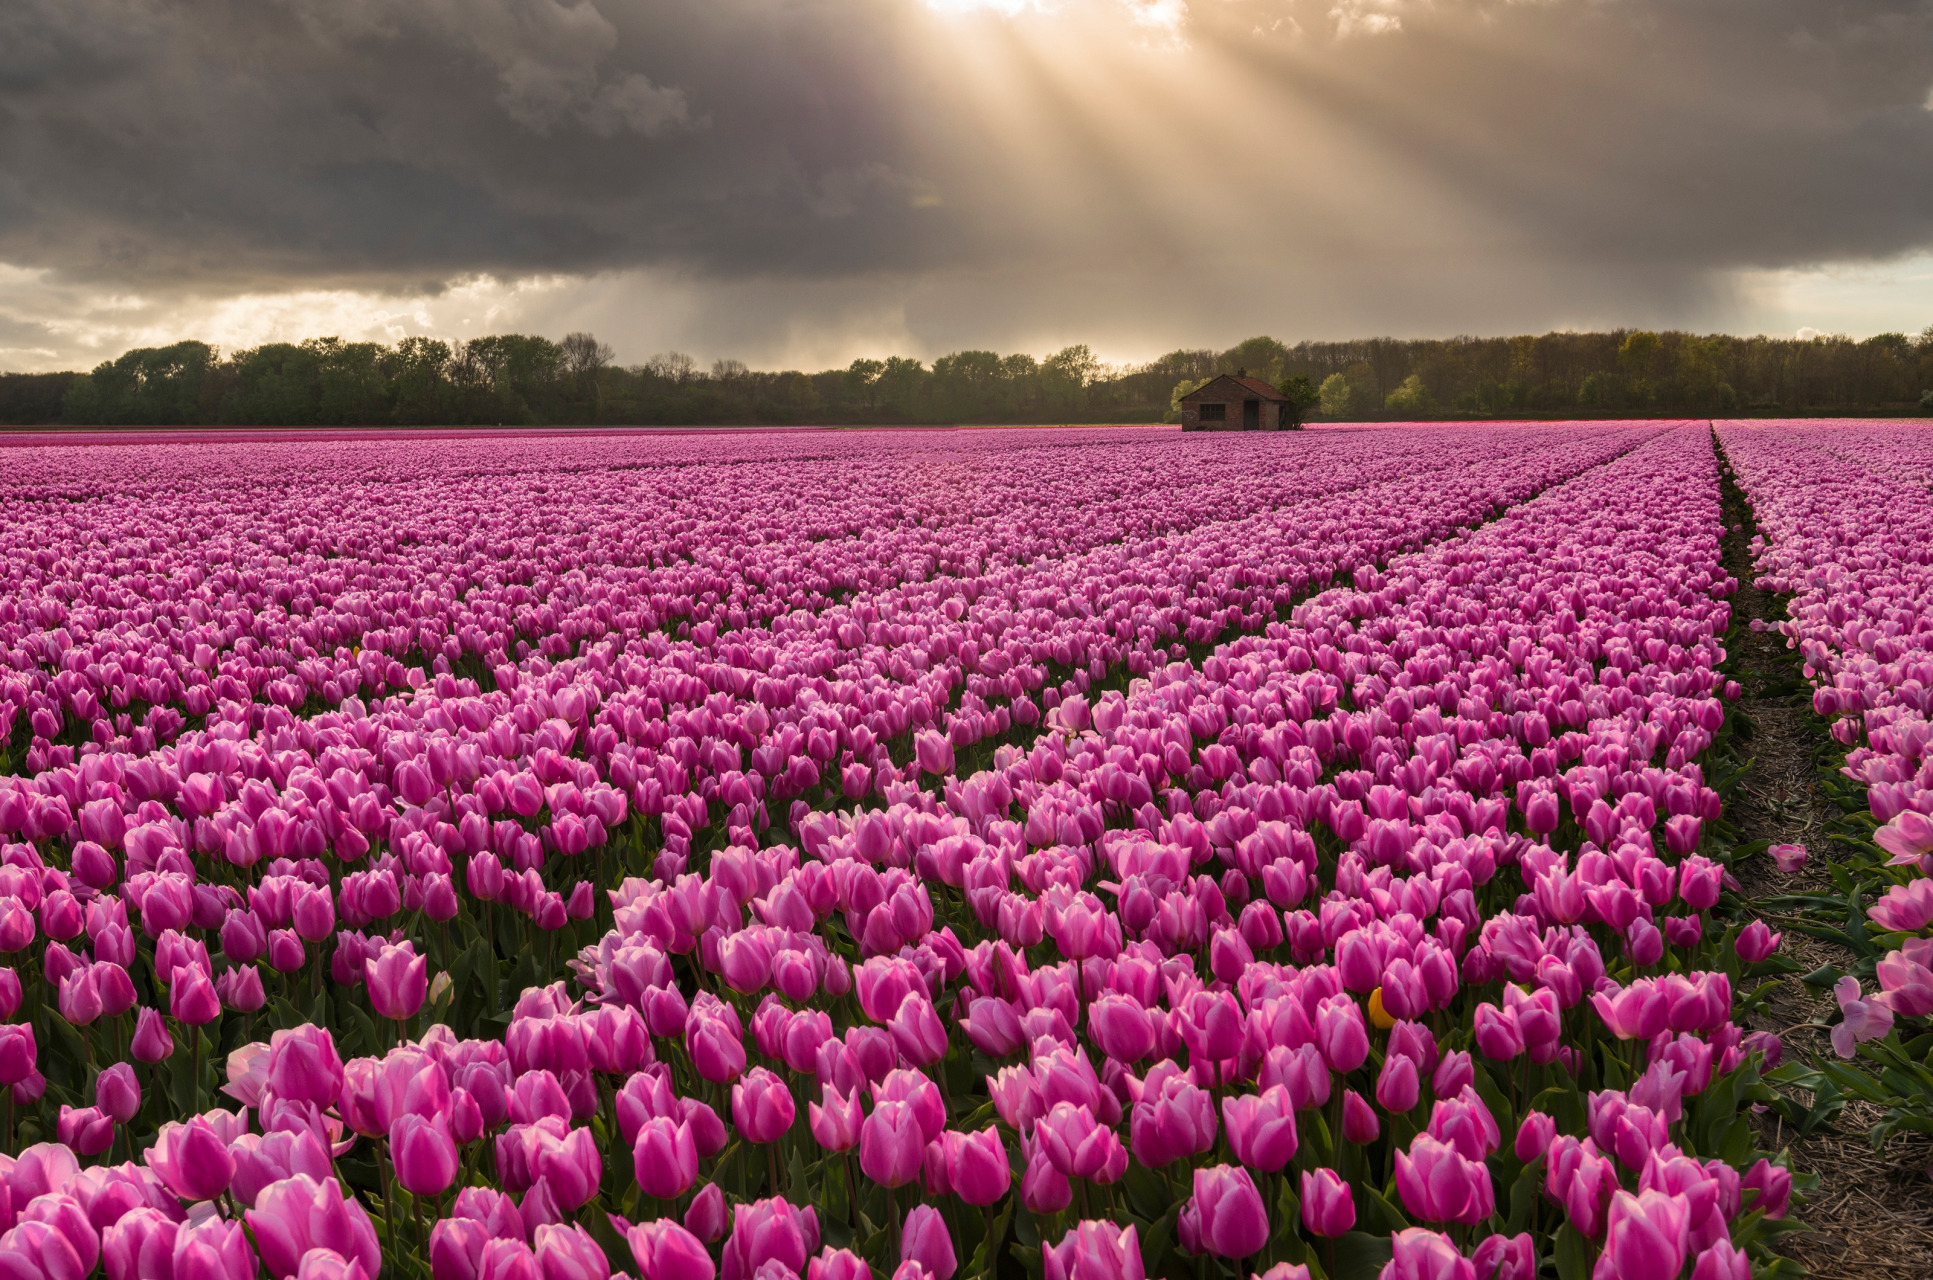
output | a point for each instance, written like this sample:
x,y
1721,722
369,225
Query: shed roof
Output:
x,y
1229,386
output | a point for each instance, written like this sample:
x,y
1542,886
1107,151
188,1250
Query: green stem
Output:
x,y
852,1191
422,1237
389,1197
194,1068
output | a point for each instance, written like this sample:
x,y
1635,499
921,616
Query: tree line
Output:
x,y
528,379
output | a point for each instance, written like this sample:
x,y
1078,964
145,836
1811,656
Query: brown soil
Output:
x,y
1872,1214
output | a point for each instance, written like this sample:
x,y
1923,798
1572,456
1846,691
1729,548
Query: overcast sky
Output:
x,y
796,182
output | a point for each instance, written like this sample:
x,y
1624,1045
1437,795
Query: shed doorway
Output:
x,y
1251,415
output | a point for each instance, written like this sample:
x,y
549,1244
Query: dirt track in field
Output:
x,y
1872,1215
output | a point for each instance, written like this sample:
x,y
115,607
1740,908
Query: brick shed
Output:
x,y
1236,402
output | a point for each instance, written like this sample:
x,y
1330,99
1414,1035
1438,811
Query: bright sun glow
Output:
x,y
973,6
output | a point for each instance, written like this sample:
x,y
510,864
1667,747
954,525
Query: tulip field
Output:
x,y
1095,854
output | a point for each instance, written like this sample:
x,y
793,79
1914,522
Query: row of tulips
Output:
x,y
1842,514
1437,913
242,837
129,607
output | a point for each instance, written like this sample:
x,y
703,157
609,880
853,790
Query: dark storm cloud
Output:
x,y
1375,158
373,139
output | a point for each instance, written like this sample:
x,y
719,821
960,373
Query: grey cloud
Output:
x,y
1461,164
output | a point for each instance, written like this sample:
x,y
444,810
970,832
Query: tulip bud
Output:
x,y
117,1093
424,1153
1225,1216
925,1240
1359,1123
151,1043
1328,1208
398,981
705,1218
1535,1135
665,1158
1397,1087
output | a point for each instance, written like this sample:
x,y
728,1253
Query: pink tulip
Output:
x,y
1438,1184
1359,1123
935,755
1328,1208
716,1046
836,1125
1774,1186
568,1253
1905,979
924,1239
261,1160
1534,1136
398,981
191,1159
891,1144
762,1106
117,1092
1225,1216
1756,942
1397,1088
769,1230
303,1065
705,1219
1722,1262
424,1153
1501,1257
1341,1034
977,1165
1094,1251
1646,1235
1261,1128
151,1042
1418,1253
664,1157
666,1251
297,1214
88,1130
1173,1119
918,1031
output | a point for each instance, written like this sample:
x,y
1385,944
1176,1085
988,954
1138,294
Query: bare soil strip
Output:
x,y
1873,1212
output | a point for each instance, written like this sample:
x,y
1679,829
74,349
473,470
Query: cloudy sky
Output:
x,y
796,182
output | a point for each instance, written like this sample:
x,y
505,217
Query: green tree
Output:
x,y
1065,376
1595,392
510,377
1411,397
585,359
419,381
350,387
901,379
967,385
1638,357
1698,372
1263,356
1303,397
1364,396
1022,389
1187,386
861,379
148,386
1335,396
274,384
